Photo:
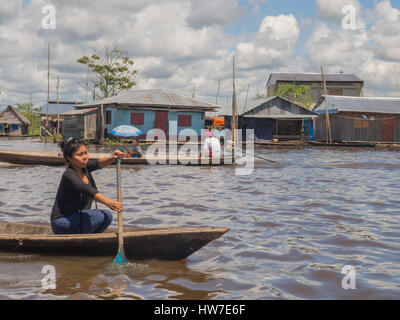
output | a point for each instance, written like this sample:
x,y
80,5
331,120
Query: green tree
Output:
x,y
113,70
297,94
33,115
300,95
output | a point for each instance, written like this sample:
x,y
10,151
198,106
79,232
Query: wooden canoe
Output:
x,y
49,158
343,144
139,244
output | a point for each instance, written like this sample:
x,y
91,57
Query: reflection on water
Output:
x,y
293,226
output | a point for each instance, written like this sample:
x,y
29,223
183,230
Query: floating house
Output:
x,y
368,119
51,112
13,122
81,123
274,118
146,110
337,84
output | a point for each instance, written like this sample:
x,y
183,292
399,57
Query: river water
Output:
x,y
293,225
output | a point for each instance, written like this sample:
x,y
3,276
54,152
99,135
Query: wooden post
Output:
x,y
328,124
102,123
58,107
87,84
31,106
219,88
48,90
234,122
247,95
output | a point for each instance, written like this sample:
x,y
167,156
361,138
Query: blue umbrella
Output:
x,y
126,131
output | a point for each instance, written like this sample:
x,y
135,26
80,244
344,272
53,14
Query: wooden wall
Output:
x,y
350,126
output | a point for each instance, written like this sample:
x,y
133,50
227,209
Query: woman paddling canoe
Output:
x,y
72,211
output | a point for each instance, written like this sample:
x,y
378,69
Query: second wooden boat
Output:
x,y
49,158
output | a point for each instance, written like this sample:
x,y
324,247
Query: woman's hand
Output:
x,y
115,205
118,154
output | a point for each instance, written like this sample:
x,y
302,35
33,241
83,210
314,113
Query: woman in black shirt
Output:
x,y
72,211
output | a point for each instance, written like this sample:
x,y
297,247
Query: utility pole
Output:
x,y
87,84
31,107
219,88
58,107
234,123
328,125
247,95
48,90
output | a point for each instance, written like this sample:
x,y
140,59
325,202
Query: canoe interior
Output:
x,y
139,243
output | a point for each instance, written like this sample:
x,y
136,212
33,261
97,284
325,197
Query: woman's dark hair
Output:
x,y
71,145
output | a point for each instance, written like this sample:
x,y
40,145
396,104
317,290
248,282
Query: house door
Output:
x,y
388,130
161,121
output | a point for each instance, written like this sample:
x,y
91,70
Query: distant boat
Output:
x,y
139,244
49,158
343,144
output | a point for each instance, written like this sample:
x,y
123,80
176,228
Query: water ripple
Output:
x,y
293,226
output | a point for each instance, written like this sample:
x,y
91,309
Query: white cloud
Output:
x,y
273,44
372,53
332,10
175,43
8,10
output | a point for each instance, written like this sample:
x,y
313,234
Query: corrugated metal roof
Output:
x,y
53,108
254,103
243,107
312,77
359,104
153,98
79,111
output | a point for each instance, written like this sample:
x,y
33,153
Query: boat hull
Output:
x,y
139,244
56,159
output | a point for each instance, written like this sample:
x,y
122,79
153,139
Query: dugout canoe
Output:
x,y
49,158
343,144
139,244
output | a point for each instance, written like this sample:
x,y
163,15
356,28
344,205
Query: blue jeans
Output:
x,y
93,221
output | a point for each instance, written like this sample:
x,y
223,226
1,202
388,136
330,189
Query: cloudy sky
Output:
x,y
178,43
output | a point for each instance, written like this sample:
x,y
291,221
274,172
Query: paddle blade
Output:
x,y
120,258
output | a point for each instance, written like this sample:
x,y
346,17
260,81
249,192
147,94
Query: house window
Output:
x,y
184,121
137,118
108,117
361,124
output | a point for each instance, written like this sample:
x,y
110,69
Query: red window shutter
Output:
x,y
184,121
137,118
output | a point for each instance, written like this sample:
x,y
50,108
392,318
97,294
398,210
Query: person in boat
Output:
x,y
71,212
228,150
136,151
211,147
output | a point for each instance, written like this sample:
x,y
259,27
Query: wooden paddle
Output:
x,y
120,257
263,158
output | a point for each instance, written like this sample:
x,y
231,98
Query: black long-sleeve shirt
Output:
x,y
73,194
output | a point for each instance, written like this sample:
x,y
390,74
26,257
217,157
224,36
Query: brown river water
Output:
x,y
293,226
